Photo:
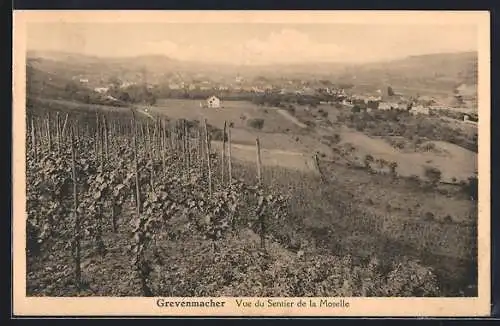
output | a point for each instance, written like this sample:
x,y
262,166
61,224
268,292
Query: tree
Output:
x,y
433,174
256,123
71,88
368,160
393,166
473,187
124,96
114,81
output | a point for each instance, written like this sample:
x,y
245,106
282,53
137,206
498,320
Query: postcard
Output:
x,y
251,163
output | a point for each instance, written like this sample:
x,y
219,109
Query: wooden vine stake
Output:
x,y
105,131
259,162
200,148
136,172
207,149
96,142
76,236
138,261
163,147
64,125
33,140
229,156
58,133
186,147
223,154
261,199
49,135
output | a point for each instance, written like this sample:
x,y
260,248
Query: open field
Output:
x,y
455,162
236,112
452,160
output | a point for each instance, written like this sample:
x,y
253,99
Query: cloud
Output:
x,y
289,45
286,45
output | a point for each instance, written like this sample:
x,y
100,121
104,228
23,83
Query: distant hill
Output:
x,y
438,74
425,74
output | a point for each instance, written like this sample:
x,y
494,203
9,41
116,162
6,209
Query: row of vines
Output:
x,y
94,174
83,174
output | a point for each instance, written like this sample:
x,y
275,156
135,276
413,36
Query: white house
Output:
x,y
384,106
126,84
419,109
101,90
213,102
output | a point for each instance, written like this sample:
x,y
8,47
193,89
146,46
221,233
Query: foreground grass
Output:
x,y
325,218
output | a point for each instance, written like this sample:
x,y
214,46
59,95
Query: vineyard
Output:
x,y
123,205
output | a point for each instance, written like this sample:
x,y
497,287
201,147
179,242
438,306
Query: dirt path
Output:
x,y
145,113
271,157
291,118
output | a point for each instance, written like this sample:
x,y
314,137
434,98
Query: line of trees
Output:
x,y
134,94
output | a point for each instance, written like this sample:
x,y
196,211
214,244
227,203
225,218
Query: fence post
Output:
x,y
223,153
259,162
229,156
76,236
207,148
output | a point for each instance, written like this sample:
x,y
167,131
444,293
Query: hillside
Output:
x,y
433,74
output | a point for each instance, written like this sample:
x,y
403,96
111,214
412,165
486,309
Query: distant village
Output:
x,y
380,100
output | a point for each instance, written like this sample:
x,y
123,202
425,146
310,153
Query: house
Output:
x,y
419,109
347,102
84,80
469,119
386,106
308,91
101,90
126,84
213,102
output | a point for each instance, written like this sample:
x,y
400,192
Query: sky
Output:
x,y
253,43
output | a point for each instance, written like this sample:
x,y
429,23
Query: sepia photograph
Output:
x,y
238,164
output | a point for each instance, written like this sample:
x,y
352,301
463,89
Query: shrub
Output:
x,y
393,166
368,160
412,279
218,135
433,174
429,216
471,187
414,179
428,147
291,109
322,113
256,123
